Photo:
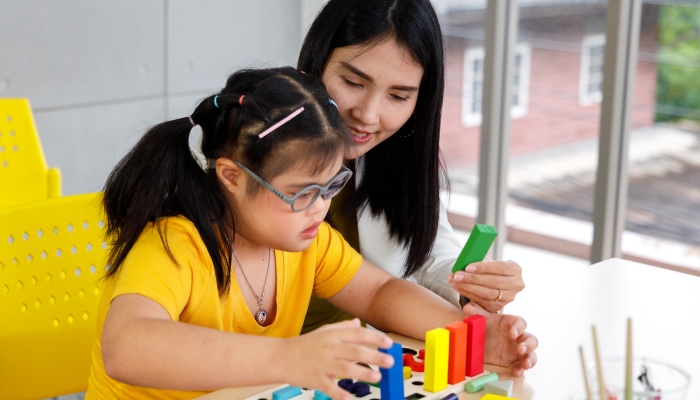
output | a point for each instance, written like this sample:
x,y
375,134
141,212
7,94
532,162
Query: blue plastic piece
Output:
x,y
286,393
319,395
361,389
391,385
346,384
450,396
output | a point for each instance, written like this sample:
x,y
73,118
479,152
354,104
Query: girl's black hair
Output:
x,y
160,177
402,176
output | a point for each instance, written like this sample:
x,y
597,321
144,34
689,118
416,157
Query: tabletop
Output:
x,y
560,305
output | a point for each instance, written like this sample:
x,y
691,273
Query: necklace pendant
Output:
x,y
261,317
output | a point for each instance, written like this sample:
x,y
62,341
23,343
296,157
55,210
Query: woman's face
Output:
x,y
376,89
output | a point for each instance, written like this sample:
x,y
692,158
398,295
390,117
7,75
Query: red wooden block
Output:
x,y
476,336
416,366
421,354
407,360
457,366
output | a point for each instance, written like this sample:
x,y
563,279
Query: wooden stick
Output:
x,y
599,366
628,362
585,373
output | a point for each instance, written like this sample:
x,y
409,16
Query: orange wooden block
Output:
x,y
457,367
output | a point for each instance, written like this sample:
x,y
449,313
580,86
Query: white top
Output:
x,y
380,249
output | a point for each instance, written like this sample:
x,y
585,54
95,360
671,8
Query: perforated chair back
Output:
x,y
52,255
24,176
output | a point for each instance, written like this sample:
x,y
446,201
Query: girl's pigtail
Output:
x,y
159,178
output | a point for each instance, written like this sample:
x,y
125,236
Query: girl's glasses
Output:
x,y
308,195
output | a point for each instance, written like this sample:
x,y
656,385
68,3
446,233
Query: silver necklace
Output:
x,y
261,315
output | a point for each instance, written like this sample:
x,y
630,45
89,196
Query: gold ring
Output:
x,y
500,293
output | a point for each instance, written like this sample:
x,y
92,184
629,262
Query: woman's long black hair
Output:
x,y
402,177
160,177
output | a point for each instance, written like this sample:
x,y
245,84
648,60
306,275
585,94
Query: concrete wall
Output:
x,y
98,73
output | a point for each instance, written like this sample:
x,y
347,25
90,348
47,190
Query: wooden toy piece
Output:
x,y
319,395
479,383
476,337
416,366
628,362
599,364
346,384
437,346
361,389
585,373
457,368
391,385
407,373
501,388
286,393
421,354
451,396
491,396
477,246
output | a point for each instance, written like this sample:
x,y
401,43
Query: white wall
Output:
x,y
98,73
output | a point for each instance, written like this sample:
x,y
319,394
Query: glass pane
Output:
x,y
663,210
554,137
462,23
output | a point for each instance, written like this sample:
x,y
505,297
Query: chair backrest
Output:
x,y
52,255
24,176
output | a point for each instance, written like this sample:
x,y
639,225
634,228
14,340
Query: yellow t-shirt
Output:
x,y
189,293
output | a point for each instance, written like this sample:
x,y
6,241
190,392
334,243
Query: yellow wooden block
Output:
x,y
437,353
407,373
491,396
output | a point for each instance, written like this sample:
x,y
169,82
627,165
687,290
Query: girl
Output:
x,y
382,61
211,272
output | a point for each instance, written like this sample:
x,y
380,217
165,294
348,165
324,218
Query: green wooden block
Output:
x,y
479,383
477,246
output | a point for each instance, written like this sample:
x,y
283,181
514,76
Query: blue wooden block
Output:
x,y
391,385
347,385
361,389
319,395
286,393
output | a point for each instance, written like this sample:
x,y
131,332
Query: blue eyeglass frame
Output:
x,y
290,200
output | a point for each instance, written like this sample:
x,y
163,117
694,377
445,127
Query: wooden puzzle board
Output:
x,y
413,389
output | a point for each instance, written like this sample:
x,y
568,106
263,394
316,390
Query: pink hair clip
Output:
x,y
282,122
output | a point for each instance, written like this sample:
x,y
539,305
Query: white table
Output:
x,y
560,306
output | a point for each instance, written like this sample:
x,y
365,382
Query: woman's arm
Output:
x,y
142,346
396,305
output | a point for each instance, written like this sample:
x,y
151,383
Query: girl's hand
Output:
x,y
507,343
317,358
481,282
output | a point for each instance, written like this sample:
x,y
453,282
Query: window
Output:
x,y
473,80
591,76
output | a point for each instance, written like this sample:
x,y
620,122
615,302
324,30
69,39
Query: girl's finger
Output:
x,y
364,336
361,373
365,355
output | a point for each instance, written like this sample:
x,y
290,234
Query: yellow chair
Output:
x,y
24,176
52,255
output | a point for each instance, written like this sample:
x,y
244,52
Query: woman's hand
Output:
x,y
484,282
317,358
507,343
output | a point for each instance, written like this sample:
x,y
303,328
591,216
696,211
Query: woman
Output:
x,y
382,62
